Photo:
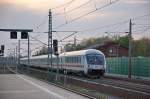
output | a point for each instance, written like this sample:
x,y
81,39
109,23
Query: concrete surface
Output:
x,y
13,86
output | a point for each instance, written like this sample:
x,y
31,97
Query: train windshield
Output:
x,y
95,59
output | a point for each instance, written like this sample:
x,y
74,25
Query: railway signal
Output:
x,y
13,35
55,46
13,32
2,50
2,47
24,35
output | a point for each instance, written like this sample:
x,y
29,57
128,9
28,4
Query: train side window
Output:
x,y
71,59
66,59
75,59
80,59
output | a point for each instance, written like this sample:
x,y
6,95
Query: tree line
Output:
x,y
140,47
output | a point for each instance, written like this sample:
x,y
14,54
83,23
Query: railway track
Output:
x,y
140,88
134,86
120,83
122,88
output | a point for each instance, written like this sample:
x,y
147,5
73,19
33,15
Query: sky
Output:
x,y
33,14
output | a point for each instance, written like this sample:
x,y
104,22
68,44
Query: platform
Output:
x,y
13,86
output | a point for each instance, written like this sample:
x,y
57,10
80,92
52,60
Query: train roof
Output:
x,y
81,52
72,53
37,57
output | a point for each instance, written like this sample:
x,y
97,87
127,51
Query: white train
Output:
x,y
89,62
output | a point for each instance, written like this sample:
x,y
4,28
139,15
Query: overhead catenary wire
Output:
x,y
105,26
93,29
139,17
146,29
75,9
39,41
44,21
110,25
69,36
63,5
135,18
36,48
71,10
77,18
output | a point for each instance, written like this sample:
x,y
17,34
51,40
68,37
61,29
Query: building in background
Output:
x,y
111,49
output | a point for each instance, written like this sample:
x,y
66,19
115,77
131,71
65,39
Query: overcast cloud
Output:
x,y
33,14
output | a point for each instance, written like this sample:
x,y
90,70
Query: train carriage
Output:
x,y
89,62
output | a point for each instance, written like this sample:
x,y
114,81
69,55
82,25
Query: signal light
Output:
x,y
24,35
2,50
13,35
2,47
55,47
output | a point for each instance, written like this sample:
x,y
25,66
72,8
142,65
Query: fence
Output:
x,y
140,66
117,65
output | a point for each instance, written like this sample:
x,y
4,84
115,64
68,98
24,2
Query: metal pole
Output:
x,y
19,53
16,59
49,60
51,41
28,54
57,67
4,65
130,48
